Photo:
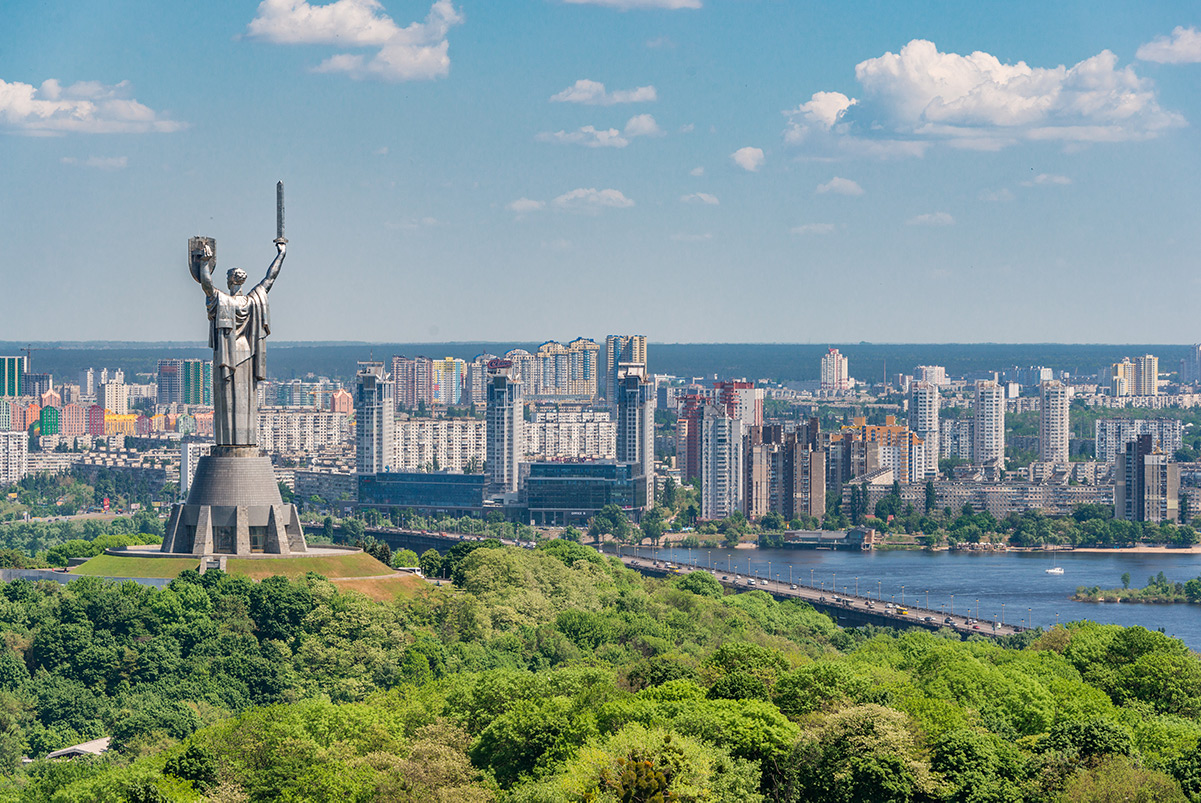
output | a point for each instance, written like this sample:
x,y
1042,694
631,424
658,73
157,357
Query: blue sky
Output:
x,y
750,170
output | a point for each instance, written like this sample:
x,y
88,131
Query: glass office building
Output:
x,y
558,494
453,494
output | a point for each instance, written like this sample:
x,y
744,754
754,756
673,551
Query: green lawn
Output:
x,y
354,564
115,566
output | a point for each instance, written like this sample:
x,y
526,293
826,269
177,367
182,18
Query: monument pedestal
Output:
x,y
234,508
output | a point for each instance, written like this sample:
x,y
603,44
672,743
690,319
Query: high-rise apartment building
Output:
x,y
95,420
37,384
475,384
14,457
923,421
1121,378
447,375
72,421
169,382
12,375
48,421
988,425
414,378
87,382
635,401
197,382
629,349
1146,375
741,400
835,373
936,375
784,471
441,444
955,439
505,417
721,469
374,420
1190,366
1053,427
1146,483
114,397
1112,435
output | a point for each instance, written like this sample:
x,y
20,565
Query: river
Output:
x,y
985,585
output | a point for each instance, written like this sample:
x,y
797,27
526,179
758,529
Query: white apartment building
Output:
x,y
923,421
301,429
835,375
14,457
189,458
454,444
721,463
1053,426
1112,435
988,424
955,439
936,375
114,397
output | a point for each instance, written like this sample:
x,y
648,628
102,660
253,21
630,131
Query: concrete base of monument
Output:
x,y
342,564
234,508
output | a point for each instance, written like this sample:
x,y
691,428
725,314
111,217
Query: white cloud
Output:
x,y
692,238
641,125
592,199
748,158
700,198
813,228
589,136
413,224
382,151
920,96
99,162
839,186
86,107
660,42
416,52
697,171
1046,178
592,93
524,205
1002,194
1182,47
627,5
931,219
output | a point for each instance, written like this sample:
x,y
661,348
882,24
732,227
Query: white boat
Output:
x,y
1055,570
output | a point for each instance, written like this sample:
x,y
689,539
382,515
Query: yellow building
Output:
x,y
116,424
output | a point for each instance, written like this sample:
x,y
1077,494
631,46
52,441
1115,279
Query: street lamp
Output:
x,y
856,586
811,577
977,609
879,596
1002,614
902,595
927,599
952,605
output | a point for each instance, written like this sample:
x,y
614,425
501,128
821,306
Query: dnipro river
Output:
x,y
978,581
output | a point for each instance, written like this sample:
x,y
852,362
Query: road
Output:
x,y
914,615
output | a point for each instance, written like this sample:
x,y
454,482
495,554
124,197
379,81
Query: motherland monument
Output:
x,y
234,506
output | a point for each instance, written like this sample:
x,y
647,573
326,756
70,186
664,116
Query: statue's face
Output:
x,y
236,278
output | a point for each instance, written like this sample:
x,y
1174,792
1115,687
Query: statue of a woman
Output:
x,y
238,329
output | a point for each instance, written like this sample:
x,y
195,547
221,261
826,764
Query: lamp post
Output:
x,y
952,605
902,595
856,586
879,596
977,610
927,599
1002,614
811,577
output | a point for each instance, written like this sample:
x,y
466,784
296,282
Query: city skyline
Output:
x,y
664,173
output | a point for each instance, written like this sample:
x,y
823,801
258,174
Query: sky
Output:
x,y
525,170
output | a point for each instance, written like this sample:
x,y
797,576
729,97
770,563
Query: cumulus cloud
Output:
x,y
588,136
524,205
697,171
813,228
641,125
627,5
86,107
700,198
692,238
99,162
1046,178
592,93
1182,47
839,186
748,158
931,219
592,199
921,96
418,51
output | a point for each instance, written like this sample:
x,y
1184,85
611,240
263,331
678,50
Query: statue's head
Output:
x,y
236,277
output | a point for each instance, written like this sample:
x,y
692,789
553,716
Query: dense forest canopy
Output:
x,y
556,674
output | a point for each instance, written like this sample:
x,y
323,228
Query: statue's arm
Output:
x,y
281,249
206,278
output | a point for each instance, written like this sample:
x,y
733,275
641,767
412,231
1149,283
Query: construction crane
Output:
x,y
29,350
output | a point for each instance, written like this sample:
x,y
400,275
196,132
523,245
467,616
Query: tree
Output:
x,y
404,559
1125,579
931,497
430,562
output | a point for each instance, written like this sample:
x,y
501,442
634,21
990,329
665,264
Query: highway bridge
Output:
x,y
848,610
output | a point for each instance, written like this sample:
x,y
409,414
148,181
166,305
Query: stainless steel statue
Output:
x,y
238,328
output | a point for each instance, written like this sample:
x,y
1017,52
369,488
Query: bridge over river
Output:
x,y
848,610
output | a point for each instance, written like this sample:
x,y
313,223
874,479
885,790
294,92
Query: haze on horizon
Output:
x,y
695,170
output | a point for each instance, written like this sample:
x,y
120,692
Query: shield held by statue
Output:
x,y
201,250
